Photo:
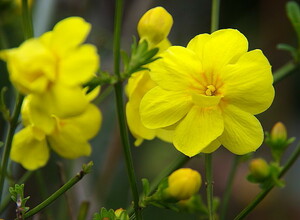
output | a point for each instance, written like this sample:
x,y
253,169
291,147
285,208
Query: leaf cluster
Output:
x,y
105,214
17,195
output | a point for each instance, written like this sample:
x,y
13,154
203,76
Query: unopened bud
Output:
x,y
278,132
121,213
155,25
184,183
259,169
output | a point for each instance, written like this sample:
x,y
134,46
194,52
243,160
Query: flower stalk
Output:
x,y
209,185
120,110
265,192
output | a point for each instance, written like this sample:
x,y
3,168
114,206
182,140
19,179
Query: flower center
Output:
x,y
210,91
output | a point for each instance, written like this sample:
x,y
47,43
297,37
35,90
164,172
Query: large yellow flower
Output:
x,y
53,67
209,92
69,137
154,27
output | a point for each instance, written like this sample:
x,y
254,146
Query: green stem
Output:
x,y
209,185
215,13
7,147
57,194
265,192
228,189
284,71
120,110
83,210
27,20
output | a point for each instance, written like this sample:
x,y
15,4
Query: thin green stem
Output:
x,y
83,210
7,147
228,189
27,20
284,71
265,192
57,194
120,110
215,13
209,185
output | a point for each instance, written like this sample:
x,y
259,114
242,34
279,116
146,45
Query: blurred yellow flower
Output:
x,y
184,183
53,67
140,82
209,91
69,137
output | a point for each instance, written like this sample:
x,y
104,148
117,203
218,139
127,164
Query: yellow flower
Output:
x,y
184,183
69,138
155,25
209,91
53,67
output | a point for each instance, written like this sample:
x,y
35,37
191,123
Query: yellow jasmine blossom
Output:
x,y
69,138
210,92
154,26
184,183
53,67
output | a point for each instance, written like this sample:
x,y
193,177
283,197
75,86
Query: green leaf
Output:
x,y
146,186
293,13
293,51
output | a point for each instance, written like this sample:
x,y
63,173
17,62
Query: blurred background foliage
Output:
x,y
263,22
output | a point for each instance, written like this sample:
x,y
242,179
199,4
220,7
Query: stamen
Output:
x,y
210,90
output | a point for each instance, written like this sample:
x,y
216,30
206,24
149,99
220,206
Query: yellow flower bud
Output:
x,y
184,183
119,212
155,25
278,132
259,168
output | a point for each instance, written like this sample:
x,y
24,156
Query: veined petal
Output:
x,y
243,132
68,34
178,69
197,44
213,146
248,83
204,100
198,129
160,108
224,47
80,66
29,151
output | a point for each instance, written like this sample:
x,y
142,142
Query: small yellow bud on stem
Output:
x,y
259,169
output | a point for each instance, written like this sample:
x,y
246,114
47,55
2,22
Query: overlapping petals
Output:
x,y
209,93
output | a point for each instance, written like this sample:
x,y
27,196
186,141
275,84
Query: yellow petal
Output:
x,y
224,47
243,132
160,108
89,121
80,66
31,67
177,69
68,34
29,151
165,134
34,113
248,83
197,44
62,101
204,100
137,129
198,129
213,146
